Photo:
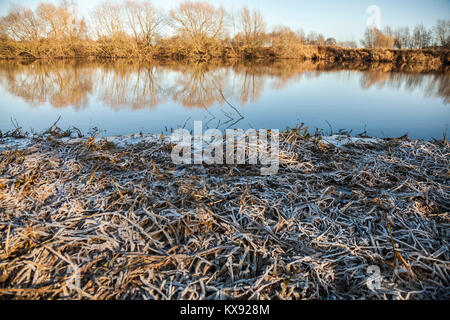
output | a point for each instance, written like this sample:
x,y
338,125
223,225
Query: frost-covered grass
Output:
x,y
115,218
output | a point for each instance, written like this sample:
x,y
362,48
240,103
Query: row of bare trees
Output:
x,y
48,21
140,20
403,38
133,27
195,25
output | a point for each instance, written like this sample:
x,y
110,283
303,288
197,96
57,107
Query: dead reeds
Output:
x,y
102,219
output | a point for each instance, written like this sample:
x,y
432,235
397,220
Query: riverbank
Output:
x,y
425,60
429,59
114,218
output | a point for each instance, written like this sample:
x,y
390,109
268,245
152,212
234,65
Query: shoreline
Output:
x,y
19,139
410,60
116,219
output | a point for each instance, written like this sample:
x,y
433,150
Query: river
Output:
x,y
125,97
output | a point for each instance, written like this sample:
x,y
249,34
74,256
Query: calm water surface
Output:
x,y
124,97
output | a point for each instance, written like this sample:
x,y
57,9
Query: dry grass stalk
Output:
x,y
97,221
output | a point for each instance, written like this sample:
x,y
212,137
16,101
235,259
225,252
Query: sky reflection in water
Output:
x,y
124,97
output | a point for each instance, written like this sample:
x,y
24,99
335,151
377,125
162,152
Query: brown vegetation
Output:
x,y
198,31
408,59
402,38
99,219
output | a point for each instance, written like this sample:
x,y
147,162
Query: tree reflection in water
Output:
x,y
126,84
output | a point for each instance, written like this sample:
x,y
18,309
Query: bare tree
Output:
x,y
369,38
284,41
388,31
198,22
252,28
383,40
422,38
143,20
442,33
374,38
108,20
21,24
301,36
402,38
316,39
60,22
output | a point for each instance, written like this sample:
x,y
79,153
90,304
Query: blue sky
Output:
x,y
342,19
